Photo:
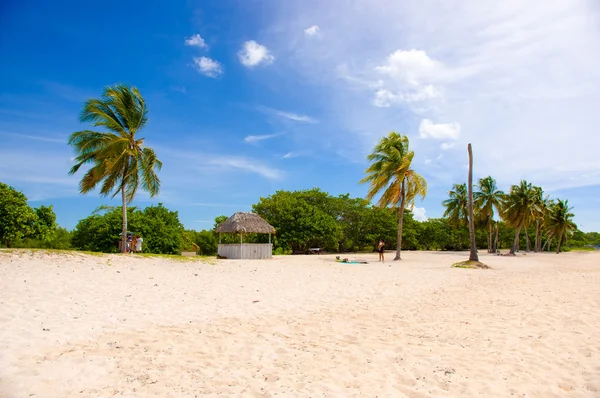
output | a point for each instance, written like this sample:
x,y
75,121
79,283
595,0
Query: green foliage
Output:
x,y
60,240
300,219
19,222
158,226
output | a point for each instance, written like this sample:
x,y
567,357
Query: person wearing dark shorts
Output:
x,y
381,249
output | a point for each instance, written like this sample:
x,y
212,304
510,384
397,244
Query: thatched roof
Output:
x,y
245,222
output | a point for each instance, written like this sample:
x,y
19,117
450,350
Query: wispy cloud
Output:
x,y
253,139
287,115
253,54
247,165
208,67
36,137
196,41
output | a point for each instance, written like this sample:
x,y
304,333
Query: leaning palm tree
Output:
x,y
487,198
457,205
520,206
118,159
390,172
560,223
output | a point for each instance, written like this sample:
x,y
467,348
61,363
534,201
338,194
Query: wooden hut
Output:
x,y
244,223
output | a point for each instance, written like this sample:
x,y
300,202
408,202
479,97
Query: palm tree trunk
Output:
x,y
536,247
473,255
400,220
124,236
560,239
527,240
496,240
548,243
516,242
490,239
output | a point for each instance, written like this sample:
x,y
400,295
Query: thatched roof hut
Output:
x,y
246,223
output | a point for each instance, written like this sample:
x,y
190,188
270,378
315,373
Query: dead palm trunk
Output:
x,y
400,220
513,249
473,255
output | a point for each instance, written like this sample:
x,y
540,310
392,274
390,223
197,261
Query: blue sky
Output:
x,y
249,97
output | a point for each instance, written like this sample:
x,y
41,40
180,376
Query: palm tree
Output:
x,y
457,205
487,198
473,255
390,172
520,206
538,216
119,161
560,223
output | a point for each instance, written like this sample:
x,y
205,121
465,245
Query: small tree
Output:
x,y
17,219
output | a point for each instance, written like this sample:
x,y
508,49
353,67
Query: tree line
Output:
x,y
304,219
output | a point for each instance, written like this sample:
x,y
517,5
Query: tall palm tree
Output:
x,y
487,198
560,223
119,161
519,208
390,172
473,254
457,205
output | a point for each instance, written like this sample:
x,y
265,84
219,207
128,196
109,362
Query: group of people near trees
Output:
x,y
134,243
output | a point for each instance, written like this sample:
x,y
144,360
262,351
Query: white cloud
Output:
x,y
441,131
196,41
253,54
288,115
252,139
312,31
419,213
447,145
208,67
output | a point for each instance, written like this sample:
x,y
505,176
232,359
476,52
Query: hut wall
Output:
x,y
245,251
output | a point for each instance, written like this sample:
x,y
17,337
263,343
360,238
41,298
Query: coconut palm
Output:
x,y
560,223
539,216
457,205
118,159
519,209
390,172
487,198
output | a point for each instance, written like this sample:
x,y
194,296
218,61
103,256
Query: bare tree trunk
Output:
x,y
516,242
124,236
473,255
400,220
527,240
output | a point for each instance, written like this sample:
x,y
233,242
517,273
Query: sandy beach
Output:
x,y
76,325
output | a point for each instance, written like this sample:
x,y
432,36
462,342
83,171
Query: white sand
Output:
x,y
299,326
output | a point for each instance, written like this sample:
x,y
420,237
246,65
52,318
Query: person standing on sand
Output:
x,y
138,244
381,249
133,244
